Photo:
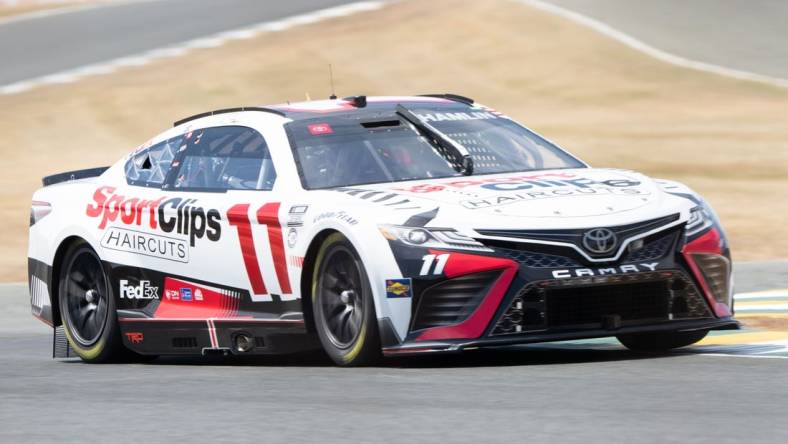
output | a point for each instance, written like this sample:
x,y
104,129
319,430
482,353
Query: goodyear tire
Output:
x,y
87,307
343,305
661,341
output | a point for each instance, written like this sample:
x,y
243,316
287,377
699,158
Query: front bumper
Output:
x,y
449,346
525,295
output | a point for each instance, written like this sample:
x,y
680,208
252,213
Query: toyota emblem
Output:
x,y
600,240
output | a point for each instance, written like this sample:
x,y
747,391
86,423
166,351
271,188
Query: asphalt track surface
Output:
x,y
51,44
747,35
546,393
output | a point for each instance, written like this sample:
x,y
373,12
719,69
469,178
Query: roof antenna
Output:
x,y
331,80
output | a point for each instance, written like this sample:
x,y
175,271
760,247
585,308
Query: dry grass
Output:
x,y
764,322
608,104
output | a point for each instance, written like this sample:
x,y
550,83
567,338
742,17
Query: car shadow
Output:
x,y
525,356
487,357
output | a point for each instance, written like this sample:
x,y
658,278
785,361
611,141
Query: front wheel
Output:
x,y
661,341
343,305
87,308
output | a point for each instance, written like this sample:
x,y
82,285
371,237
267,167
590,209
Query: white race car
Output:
x,y
378,226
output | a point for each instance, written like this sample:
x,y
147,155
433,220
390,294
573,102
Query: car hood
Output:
x,y
568,197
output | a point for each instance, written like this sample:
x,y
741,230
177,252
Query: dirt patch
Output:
x,y
765,322
604,102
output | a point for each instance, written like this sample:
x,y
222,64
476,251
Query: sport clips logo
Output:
x,y
174,215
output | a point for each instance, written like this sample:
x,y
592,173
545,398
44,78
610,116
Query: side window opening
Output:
x,y
225,158
149,167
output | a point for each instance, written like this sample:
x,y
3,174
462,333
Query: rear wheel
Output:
x,y
87,308
660,341
344,309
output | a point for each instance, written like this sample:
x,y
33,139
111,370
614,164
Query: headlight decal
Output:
x,y
431,238
700,220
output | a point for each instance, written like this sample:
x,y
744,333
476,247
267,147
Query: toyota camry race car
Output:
x,y
368,226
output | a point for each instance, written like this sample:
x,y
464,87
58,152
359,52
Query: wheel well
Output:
x,y
54,284
306,277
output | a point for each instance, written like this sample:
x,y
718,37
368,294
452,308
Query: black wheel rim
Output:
x,y
86,297
341,297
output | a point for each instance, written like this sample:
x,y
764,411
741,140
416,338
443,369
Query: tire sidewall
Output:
x,y
109,343
366,346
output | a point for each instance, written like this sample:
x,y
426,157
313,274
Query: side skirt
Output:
x,y
153,336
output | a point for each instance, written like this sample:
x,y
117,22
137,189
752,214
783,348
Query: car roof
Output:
x,y
353,105
362,105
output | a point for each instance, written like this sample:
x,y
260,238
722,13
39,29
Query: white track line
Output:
x,y
750,350
763,295
733,355
645,48
213,41
55,10
758,308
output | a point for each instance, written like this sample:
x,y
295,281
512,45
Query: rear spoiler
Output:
x,y
73,175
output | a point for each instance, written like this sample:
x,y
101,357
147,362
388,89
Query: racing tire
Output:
x,y
661,341
87,307
343,305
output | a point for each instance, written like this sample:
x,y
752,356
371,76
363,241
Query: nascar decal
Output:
x,y
465,183
439,117
295,221
162,247
135,337
518,188
169,215
525,182
393,200
399,288
434,264
189,219
338,215
186,300
580,272
268,215
565,191
296,215
144,290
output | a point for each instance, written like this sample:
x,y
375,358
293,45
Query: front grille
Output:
x,y
652,249
575,236
452,301
535,259
603,302
590,305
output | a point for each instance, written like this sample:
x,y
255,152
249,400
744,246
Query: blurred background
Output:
x,y
694,91
84,82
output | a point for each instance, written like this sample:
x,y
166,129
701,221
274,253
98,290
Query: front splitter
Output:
x,y
459,345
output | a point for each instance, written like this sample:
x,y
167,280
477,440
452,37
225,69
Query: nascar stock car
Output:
x,y
368,226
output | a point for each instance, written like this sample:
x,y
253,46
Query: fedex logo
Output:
x,y
142,291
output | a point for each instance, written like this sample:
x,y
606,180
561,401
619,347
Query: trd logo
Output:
x,y
135,337
142,291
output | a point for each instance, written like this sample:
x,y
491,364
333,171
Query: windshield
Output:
x,y
347,150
